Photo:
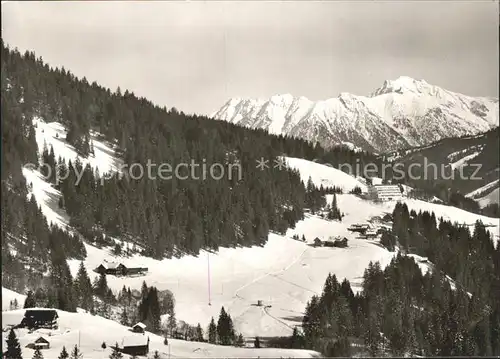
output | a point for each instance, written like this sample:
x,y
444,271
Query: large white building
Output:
x,y
385,193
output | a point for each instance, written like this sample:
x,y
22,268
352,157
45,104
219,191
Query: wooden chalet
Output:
x,y
318,242
111,268
139,328
134,345
40,343
118,269
40,318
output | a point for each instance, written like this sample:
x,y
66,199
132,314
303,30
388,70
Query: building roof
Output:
x,y
134,340
142,325
41,340
111,265
41,314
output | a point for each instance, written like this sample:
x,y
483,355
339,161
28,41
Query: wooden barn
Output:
x,y
134,345
40,318
40,343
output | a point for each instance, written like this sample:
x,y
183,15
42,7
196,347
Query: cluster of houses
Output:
x,y
336,241
119,269
364,230
34,319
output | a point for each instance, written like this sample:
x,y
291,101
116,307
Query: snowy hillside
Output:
x,y
8,296
283,279
471,162
284,273
490,193
402,113
323,175
54,134
91,331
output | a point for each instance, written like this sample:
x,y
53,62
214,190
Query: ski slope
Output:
x,y
324,175
8,296
91,331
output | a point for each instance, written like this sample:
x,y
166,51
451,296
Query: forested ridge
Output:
x,y
163,217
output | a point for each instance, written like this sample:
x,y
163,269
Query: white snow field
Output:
x,y
324,175
54,134
284,273
8,296
91,331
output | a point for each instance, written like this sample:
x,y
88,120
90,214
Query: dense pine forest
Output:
x,y
402,311
162,217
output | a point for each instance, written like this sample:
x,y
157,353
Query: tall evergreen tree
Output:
x,y
115,354
37,354
64,354
212,332
13,347
75,353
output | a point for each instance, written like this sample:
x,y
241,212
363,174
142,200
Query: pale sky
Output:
x,y
196,55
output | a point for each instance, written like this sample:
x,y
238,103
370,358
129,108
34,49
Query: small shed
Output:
x,y
139,328
259,303
40,343
318,242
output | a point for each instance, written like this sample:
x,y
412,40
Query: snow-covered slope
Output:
x,y
403,112
284,273
91,331
469,164
54,134
323,175
8,296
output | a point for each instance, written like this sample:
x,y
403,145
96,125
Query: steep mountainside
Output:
x,y
468,164
400,114
66,124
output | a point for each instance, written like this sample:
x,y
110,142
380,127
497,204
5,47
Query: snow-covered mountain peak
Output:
x,y
282,99
403,112
404,84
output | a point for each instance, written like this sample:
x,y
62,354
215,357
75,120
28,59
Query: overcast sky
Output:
x,y
196,55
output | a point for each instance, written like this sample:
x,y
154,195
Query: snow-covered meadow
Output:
x,y
91,331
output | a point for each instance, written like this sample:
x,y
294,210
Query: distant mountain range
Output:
x,y
403,113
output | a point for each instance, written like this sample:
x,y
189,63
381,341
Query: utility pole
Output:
x,y
208,263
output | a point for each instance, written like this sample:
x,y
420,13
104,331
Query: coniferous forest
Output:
x,y
162,217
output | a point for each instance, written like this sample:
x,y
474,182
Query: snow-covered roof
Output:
x,y
41,340
110,265
142,325
134,340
